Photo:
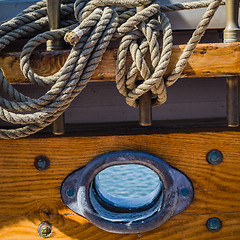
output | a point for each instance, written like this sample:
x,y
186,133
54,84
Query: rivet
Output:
x,y
41,163
45,229
214,224
184,192
70,192
214,157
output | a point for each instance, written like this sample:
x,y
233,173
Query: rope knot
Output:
x,y
139,42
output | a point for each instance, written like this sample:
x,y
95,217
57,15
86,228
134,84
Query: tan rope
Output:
x,y
96,23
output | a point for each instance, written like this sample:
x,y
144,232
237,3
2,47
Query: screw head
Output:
x,y
214,224
41,163
70,192
45,229
214,157
184,192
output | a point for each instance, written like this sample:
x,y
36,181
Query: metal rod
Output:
x,y
232,30
232,34
58,126
145,102
145,109
53,10
233,101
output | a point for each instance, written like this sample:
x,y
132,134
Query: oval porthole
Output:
x,y
127,191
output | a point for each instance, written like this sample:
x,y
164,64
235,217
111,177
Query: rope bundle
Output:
x,y
96,22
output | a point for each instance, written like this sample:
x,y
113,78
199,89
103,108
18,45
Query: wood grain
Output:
x,y
208,60
28,196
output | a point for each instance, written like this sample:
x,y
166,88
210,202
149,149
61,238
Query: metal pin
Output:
x,y
145,109
145,102
53,10
58,126
232,34
233,101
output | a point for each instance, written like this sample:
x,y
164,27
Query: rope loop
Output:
x,y
153,81
138,18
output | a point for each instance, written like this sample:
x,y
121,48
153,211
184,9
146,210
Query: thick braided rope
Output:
x,y
192,43
159,61
75,76
155,83
66,86
187,5
15,29
53,93
99,23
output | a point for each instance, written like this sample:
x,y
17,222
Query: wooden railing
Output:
x,y
208,60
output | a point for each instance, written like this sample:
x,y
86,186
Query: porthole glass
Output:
x,y
128,186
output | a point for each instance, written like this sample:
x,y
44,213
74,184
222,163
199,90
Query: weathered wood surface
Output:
x,y
208,60
28,196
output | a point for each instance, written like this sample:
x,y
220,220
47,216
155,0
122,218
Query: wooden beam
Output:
x,y
28,196
208,60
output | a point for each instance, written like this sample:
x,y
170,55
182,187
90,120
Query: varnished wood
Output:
x,y
28,196
208,60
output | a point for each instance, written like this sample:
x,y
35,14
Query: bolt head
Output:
x,y
214,224
214,157
184,192
41,163
70,192
45,229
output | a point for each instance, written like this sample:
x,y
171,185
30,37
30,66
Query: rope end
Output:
x,y
74,36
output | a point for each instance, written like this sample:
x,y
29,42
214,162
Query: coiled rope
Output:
x,y
95,24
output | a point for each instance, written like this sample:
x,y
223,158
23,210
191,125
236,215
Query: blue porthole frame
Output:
x,y
84,201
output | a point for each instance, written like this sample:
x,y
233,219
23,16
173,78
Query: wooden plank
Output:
x,y
28,196
208,60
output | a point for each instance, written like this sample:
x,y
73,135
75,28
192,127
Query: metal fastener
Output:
x,y
184,192
70,192
41,163
215,157
45,229
214,224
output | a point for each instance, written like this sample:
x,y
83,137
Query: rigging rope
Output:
x,y
96,23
